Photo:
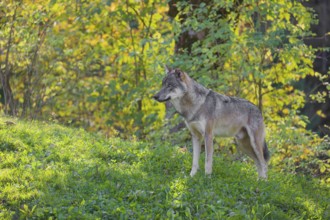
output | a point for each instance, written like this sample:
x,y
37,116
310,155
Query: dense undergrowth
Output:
x,y
52,172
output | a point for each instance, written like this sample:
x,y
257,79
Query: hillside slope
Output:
x,y
49,171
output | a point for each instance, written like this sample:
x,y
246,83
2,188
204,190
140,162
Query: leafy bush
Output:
x,y
296,149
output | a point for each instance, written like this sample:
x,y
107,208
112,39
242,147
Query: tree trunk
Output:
x,y
321,65
5,73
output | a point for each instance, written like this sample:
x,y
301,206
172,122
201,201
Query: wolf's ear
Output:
x,y
167,69
180,74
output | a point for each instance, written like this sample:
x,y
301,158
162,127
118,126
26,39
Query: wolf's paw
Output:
x,y
193,172
208,172
263,177
208,169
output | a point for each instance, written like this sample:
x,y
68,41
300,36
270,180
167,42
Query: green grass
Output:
x,y
52,172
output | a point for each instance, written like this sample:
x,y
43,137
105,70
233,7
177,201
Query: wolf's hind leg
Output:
x,y
248,146
258,150
244,143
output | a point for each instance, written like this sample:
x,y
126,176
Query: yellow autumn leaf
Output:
x,y
95,94
104,44
93,41
90,28
308,151
286,111
323,168
321,114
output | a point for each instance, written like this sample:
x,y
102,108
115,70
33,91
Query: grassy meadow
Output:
x,y
48,171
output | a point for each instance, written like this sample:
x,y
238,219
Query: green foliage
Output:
x,y
296,150
52,172
87,63
253,49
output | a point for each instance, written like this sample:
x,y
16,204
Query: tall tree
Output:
x,y
317,107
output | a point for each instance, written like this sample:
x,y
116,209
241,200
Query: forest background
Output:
x,y
96,64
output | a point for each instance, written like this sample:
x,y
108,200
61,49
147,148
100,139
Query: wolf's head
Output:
x,y
174,85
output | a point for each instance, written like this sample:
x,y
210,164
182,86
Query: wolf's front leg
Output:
x,y
208,153
196,141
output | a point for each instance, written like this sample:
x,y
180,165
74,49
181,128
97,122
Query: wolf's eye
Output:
x,y
171,87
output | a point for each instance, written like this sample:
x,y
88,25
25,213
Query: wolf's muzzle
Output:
x,y
157,98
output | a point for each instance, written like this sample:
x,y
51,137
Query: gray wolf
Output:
x,y
207,113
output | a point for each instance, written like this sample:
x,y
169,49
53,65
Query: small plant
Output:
x,y
26,212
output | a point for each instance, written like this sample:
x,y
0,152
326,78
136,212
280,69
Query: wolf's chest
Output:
x,y
197,127
176,104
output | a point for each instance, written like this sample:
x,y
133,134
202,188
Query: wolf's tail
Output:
x,y
266,152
